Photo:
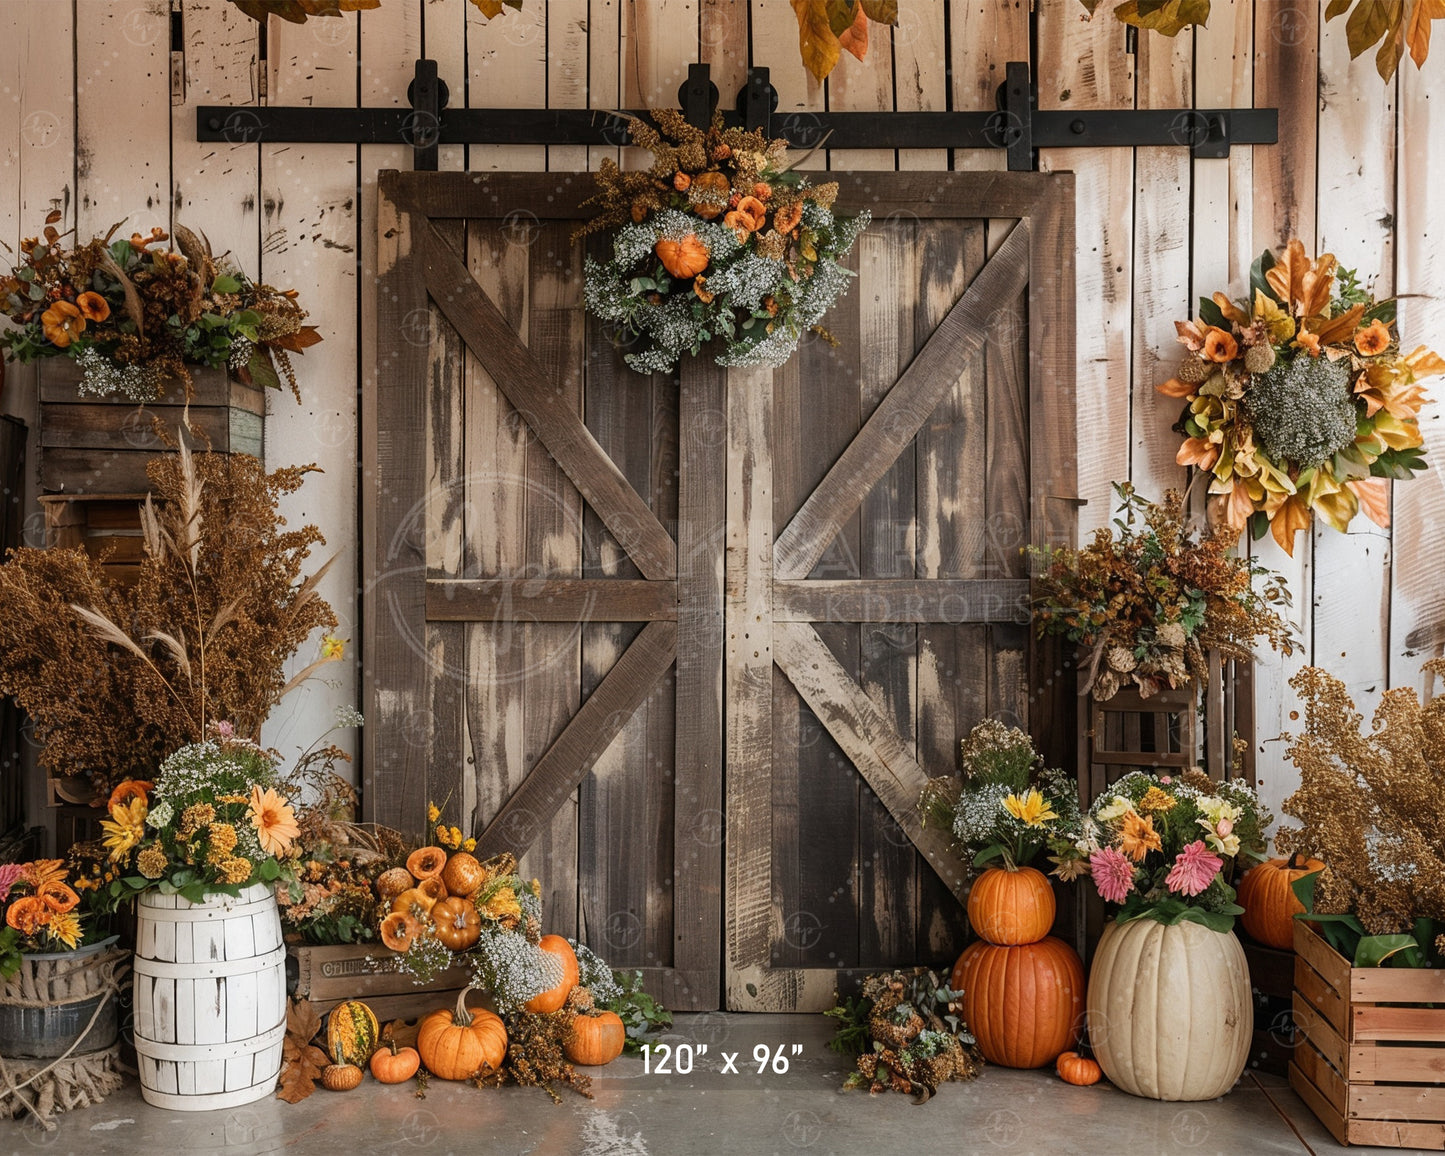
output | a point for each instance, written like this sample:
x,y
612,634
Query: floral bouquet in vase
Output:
x,y
43,913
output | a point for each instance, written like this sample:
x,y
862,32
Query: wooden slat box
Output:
x,y
366,971
102,445
1370,1054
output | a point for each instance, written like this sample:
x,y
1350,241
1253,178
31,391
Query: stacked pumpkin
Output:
x,y
1023,989
432,895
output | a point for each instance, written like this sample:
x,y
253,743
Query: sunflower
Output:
x,y
274,821
124,828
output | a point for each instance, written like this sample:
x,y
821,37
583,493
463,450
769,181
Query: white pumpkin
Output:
x,y
1170,1012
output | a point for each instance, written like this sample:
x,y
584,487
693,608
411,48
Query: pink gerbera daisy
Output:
x,y
1113,874
9,873
1194,870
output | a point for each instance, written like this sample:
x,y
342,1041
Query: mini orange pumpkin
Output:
x,y
399,929
393,881
1011,907
709,194
463,874
595,1039
554,997
393,1065
458,925
458,1044
685,256
426,862
341,1077
1076,1069
1269,901
414,902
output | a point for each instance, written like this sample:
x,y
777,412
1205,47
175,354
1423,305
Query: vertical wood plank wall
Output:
x,y
106,132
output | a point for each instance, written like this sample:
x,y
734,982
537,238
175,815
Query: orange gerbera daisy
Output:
x,y
58,896
1137,836
1220,346
62,323
28,915
128,790
93,307
274,821
1373,338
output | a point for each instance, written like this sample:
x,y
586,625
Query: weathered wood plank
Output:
x,y
518,375
868,739
897,418
549,600
950,600
557,773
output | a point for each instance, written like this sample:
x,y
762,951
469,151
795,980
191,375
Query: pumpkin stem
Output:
x,y
462,1018
1293,862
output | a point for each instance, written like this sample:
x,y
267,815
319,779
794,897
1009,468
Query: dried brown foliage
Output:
x,y
116,677
1369,803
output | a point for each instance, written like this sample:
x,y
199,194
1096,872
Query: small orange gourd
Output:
x,y
595,1039
426,862
413,901
393,1065
1011,907
457,924
554,997
1076,1069
341,1077
458,1044
1023,1003
1269,901
463,874
685,256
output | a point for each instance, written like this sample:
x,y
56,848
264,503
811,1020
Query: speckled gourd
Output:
x,y
1170,1014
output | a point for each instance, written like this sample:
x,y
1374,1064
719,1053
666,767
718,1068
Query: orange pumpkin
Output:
x,y
595,1039
399,929
1269,901
393,881
426,862
458,1044
1009,907
1023,1003
341,1077
393,1065
458,926
682,256
414,902
1076,1069
708,195
463,874
554,997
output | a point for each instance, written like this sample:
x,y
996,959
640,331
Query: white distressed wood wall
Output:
x,y
107,133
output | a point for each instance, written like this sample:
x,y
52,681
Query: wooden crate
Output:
x,y
1370,1054
366,971
101,445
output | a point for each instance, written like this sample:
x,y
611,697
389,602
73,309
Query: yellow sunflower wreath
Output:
x,y
1298,399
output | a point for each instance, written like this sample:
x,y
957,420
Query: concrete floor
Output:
x,y
1003,1113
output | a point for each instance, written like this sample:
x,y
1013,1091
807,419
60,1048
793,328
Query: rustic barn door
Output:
x,y
568,564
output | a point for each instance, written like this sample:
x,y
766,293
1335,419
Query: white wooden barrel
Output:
x,y
210,998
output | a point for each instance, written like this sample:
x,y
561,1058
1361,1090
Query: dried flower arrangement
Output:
x,y
43,913
1008,806
1147,600
132,314
117,678
719,238
907,1032
1299,400
1367,805
1166,848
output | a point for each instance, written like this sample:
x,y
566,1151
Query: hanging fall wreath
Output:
x,y
1299,399
719,238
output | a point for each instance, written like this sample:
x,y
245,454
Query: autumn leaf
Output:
x,y
491,9
1091,6
1424,362
816,39
1169,17
1176,388
1417,36
1291,517
301,1062
881,11
300,341
854,38
1374,495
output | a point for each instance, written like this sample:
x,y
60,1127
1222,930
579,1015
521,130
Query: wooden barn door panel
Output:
x,y
569,564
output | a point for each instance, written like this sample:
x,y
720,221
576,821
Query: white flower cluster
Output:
x,y
201,771
512,970
594,973
101,377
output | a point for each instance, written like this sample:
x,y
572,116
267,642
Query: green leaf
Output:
x,y
261,371
1384,311
225,283
1374,950
1258,525
988,854
1211,314
1257,283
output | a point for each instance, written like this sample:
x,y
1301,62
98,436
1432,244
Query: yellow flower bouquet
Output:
x,y
42,913
1298,399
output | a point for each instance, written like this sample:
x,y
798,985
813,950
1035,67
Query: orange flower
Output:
x,y
699,288
1137,836
28,915
62,323
58,896
1197,452
786,219
128,790
1220,346
755,209
44,871
681,182
1373,338
1309,342
762,190
93,307
274,821
740,223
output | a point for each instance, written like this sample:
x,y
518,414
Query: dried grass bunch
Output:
x,y
1369,803
117,677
